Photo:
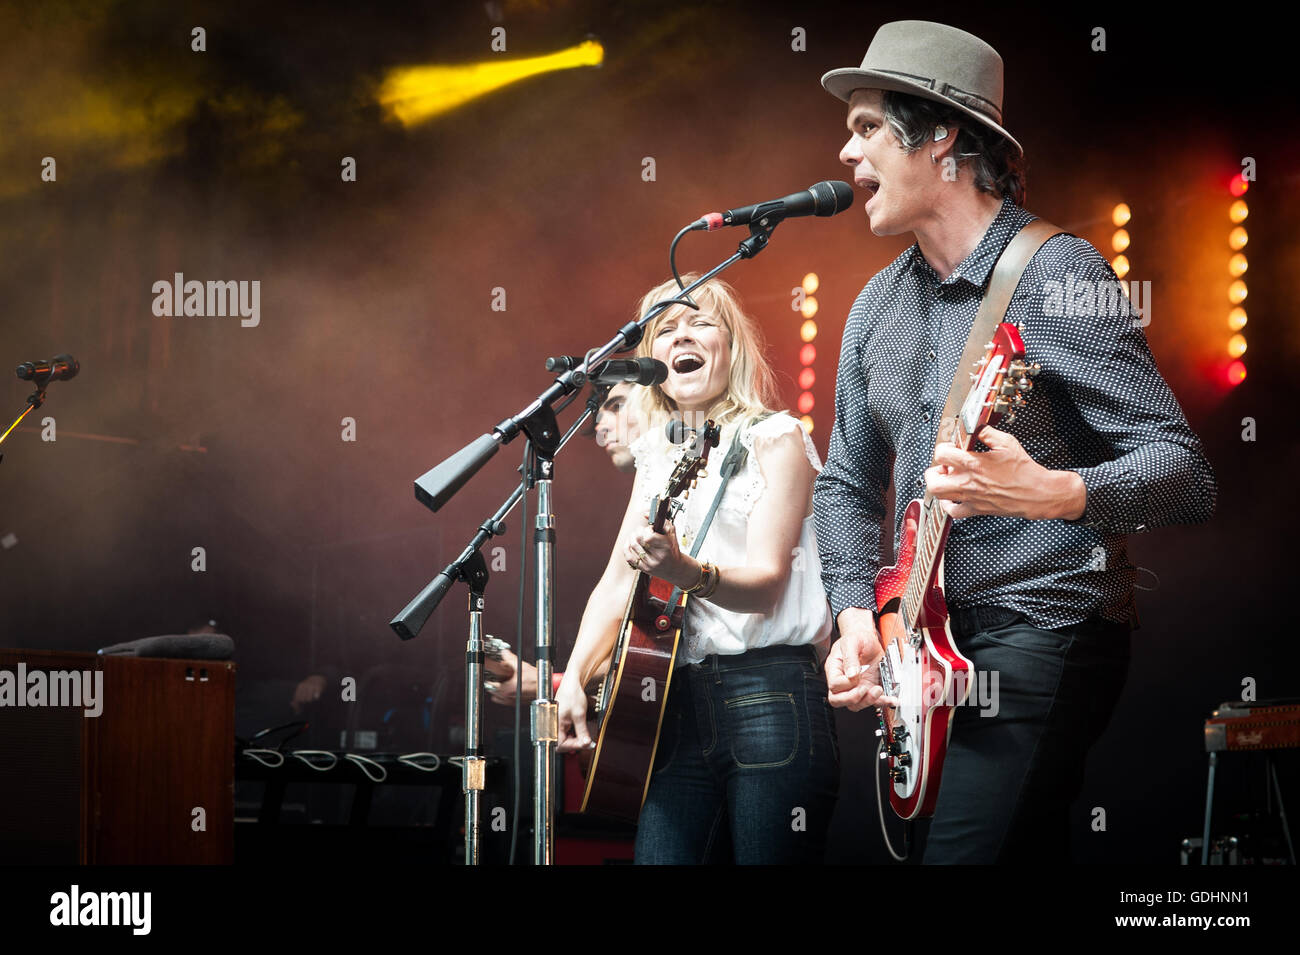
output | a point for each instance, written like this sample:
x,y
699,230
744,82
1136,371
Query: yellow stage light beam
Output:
x,y
416,94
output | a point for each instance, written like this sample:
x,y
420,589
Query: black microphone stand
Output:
x,y
538,421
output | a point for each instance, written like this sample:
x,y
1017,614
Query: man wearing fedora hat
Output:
x,y
1036,571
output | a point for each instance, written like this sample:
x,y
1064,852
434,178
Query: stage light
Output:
x,y
807,354
809,307
1237,346
807,378
1237,292
1237,265
1120,265
416,94
1120,240
1236,373
808,330
1238,211
1238,238
811,283
1121,215
1237,319
806,402
1238,185
807,423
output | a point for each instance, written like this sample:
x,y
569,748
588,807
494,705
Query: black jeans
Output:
x,y
748,764
1009,778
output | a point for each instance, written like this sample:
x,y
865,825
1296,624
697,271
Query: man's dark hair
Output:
x,y
997,165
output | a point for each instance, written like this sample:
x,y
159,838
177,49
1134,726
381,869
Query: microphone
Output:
x,y
563,362
58,368
823,199
642,371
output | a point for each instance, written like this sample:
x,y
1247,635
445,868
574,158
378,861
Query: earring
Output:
x,y
932,159
940,133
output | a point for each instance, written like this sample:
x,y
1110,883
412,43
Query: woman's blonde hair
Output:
x,y
751,385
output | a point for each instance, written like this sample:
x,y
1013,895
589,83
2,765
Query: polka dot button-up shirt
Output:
x,y
1098,407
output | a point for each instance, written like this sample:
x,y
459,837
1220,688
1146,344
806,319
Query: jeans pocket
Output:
x,y
764,729
1022,636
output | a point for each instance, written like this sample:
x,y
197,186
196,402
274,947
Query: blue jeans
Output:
x,y
1009,778
747,769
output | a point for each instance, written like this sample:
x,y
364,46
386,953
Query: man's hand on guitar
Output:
x,y
1004,480
852,670
505,671
572,701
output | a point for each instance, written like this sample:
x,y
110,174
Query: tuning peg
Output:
x,y
1019,401
1010,418
1024,384
1001,406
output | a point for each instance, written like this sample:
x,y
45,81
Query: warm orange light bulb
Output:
x,y
1237,319
1120,265
1120,240
811,283
1237,238
807,423
1121,214
809,307
808,330
1238,211
1237,265
1237,292
1237,346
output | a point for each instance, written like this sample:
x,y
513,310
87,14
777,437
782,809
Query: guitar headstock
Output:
x,y
1000,384
689,469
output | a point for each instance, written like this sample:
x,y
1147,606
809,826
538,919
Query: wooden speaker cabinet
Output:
x,y
148,781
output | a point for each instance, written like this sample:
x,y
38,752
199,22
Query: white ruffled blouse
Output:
x,y
802,615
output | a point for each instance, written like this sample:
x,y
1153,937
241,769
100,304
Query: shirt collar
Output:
x,y
975,268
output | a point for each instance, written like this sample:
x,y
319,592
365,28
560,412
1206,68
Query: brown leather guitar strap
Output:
x,y
1007,273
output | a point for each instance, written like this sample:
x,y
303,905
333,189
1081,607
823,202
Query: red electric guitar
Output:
x,y
922,666
630,704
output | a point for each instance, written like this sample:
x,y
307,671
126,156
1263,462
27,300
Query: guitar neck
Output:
x,y
931,533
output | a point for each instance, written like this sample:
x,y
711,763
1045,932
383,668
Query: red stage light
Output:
x,y
806,402
1236,373
807,378
1238,186
807,354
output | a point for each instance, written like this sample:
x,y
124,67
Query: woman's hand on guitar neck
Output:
x,y
572,701
852,670
660,556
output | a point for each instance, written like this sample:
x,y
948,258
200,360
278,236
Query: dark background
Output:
x,y
225,164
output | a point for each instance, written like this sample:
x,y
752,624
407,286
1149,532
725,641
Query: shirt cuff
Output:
x,y
1116,499
852,593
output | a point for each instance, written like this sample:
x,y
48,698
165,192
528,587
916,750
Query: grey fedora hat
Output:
x,y
932,61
